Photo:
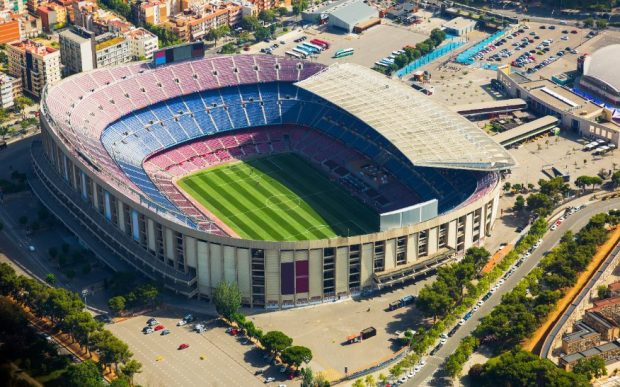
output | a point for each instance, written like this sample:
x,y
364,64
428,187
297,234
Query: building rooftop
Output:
x,y
458,23
599,304
33,47
560,98
107,40
139,33
426,132
353,12
601,65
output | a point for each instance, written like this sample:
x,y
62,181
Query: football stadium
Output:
x,y
299,182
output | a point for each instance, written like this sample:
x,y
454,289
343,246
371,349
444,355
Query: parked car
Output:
x,y
183,346
159,327
165,332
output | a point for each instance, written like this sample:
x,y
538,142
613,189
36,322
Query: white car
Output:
x,y
443,341
181,323
476,307
403,379
462,322
417,369
422,363
501,281
269,379
411,374
480,303
444,336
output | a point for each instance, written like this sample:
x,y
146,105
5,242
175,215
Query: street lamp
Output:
x,y
84,294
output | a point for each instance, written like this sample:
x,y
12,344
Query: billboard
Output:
x,y
179,53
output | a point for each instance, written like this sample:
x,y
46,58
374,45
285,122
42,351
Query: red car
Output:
x,y
233,332
183,346
159,327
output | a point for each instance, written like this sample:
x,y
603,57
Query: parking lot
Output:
x,y
370,46
325,328
532,46
213,358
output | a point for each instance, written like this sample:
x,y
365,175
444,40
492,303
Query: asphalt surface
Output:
x,y
427,376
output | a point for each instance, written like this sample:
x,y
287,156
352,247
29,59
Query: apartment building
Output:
x,y
10,88
35,64
111,50
76,50
142,43
194,25
152,12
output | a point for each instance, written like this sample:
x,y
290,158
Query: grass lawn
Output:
x,y
280,197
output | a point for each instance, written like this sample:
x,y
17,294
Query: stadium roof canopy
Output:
x,y
602,65
427,133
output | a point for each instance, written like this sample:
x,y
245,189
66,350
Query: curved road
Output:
x,y
427,376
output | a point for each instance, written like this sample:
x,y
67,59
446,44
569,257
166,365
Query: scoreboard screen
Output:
x,y
179,53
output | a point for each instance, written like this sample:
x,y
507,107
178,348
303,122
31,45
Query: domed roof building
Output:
x,y
600,74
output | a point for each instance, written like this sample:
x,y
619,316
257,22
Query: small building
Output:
x,y
10,88
344,15
111,50
76,50
582,338
609,352
459,26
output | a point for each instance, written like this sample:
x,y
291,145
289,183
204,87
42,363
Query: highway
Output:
x,y
428,374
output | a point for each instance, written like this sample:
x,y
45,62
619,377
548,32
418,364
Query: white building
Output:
x,y
111,50
10,88
459,26
142,43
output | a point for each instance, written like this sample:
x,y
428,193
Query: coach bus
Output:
x,y
381,64
316,46
343,52
312,48
295,55
320,42
301,50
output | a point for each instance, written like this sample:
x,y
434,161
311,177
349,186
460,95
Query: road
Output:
x,y
573,223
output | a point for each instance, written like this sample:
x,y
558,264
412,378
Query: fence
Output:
x,y
376,367
428,58
466,56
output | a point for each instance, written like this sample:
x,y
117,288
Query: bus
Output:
x,y
381,64
300,52
316,46
295,55
343,52
312,48
303,49
320,42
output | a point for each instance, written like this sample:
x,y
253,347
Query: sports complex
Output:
x,y
300,182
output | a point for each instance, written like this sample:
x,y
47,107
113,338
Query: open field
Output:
x,y
279,197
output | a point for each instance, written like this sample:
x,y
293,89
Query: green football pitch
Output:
x,y
279,198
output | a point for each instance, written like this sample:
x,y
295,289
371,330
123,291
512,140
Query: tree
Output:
x,y
296,355
370,381
121,381
396,370
116,304
282,11
250,23
217,33
603,291
540,204
131,368
83,374
276,341
262,33
434,300
227,299
590,368
307,377
507,186
615,179
228,48
147,293
519,203
267,15
50,278
601,24
520,368
358,383
479,255
299,6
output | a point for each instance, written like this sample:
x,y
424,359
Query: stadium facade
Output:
x,y
116,140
